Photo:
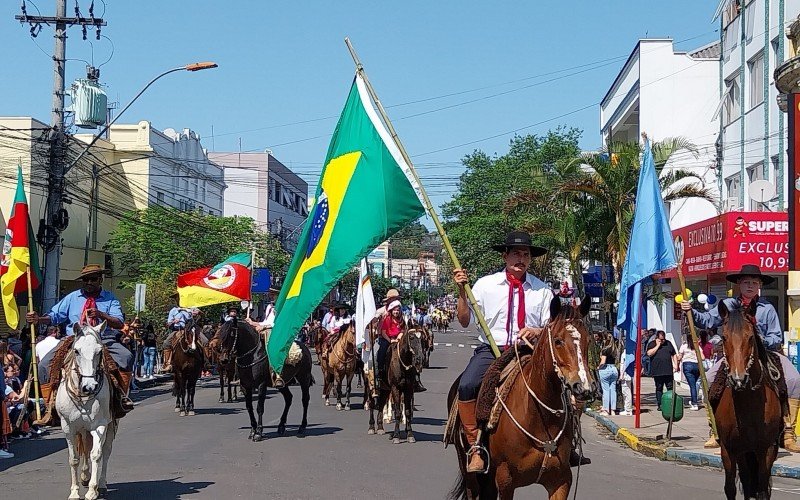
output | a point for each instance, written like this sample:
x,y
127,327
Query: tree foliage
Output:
x,y
407,243
154,245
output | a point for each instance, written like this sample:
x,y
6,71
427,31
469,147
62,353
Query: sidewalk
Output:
x,y
688,435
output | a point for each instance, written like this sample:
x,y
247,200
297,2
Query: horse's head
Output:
x,y
413,342
87,351
568,339
227,333
738,340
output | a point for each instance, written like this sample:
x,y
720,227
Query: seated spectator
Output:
x,y
20,408
49,343
7,356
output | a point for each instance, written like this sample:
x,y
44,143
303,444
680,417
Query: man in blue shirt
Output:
x,y
176,321
92,305
750,280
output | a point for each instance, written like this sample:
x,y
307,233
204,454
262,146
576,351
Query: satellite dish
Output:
x,y
761,191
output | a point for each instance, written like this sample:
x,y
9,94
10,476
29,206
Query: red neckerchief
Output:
x,y
745,303
91,303
513,283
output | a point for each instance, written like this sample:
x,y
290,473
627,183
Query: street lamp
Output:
x,y
55,197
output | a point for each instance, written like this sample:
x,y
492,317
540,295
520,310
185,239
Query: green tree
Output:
x,y
407,243
154,245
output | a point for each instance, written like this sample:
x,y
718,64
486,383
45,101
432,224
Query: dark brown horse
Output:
x,y
533,438
187,365
397,378
226,367
748,413
427,346
248,349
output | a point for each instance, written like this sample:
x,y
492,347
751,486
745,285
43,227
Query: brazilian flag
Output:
x,y
366,193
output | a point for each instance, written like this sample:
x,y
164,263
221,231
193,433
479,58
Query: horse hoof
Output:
x,y
222,400
339,406
85,482
102,490
301,432
327,403
396,441
257,438
177,409
380,432
347,407
371,432
412,439
191,413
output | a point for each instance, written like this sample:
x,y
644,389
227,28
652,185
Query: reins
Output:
x,y
73,392
757,346
232,353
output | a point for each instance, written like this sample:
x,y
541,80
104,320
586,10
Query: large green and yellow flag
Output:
x,y
366,193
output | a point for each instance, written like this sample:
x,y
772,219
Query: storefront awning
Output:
x,y
724,243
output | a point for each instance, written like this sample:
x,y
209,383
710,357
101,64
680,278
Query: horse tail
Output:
x,y
459,491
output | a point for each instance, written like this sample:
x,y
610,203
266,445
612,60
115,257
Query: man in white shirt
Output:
x,y
515,304
48,343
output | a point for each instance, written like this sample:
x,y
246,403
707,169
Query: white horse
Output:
x,y
83,402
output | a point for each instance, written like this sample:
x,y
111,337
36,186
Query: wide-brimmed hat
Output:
x,y
392,293
342,305
232,307
520,239
91,270
750,270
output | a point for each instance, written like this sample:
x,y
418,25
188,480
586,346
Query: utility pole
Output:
x,y
55,215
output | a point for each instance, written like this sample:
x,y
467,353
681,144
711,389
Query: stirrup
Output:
x,y
483,453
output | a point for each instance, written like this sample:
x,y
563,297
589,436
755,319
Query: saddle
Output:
x,y
295,351
720,382
498,380
119,382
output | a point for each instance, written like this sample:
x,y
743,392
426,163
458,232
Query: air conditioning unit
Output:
x,y
731,204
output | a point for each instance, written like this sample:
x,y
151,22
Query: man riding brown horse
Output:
x,y
515,305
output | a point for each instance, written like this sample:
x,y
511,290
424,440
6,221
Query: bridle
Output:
x,y
236,356
774,373
74,392
406,367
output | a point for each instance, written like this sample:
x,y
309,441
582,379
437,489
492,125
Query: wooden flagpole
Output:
x,y
252,272
428,205
34,363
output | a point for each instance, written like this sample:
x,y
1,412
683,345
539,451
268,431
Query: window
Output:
x,y
731,11
730,108
733,187
756,173
756,75
159,197
749,22
277,192
774,44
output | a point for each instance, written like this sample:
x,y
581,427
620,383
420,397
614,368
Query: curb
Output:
x,y
673,454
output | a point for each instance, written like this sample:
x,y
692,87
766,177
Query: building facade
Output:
x,y
261,187
667,93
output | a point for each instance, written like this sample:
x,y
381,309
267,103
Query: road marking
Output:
x,y
473,346
448,345
460,345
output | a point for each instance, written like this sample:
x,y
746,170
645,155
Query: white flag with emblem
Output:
x,y
365,303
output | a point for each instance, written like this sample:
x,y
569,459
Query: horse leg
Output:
x,y
397,412
232,396
409,411
305,383
248,403
74,461
262,395
190,388
381,402
558,491
96,455
338,382
349,389
222,385
287,403
764,473
730,474
83,458
326,389
111,432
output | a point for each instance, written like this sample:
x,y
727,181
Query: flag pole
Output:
x,y
34,363
428,205
699,353
638,376
252,271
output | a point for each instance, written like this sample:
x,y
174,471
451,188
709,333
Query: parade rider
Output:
x,y
91,304
264,328
750,280
515,304
391,331
176,321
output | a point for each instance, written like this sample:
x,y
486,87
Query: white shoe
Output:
x,y
6,454
694,407
626,413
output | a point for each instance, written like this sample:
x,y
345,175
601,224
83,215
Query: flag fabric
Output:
x,y
19,253
650,250
228,281
365,304
365,194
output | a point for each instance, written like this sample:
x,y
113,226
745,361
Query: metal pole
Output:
x,y
428,205
55,187
89,221
637,410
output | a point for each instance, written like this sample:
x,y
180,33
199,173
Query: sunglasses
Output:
x,y
91,279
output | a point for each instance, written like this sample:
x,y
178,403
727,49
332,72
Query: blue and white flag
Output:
x,y
650,251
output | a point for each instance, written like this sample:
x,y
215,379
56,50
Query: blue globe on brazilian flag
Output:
x,y
366,193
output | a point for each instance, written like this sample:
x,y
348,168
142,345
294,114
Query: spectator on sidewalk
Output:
x,y
707,347
48,343
149,342
688,359
5,420
647,337
607,370
663,363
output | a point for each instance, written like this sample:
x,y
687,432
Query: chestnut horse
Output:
x,y
748,412
187,365
338,362
533,437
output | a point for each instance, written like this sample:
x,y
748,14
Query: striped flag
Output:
x,y
365,303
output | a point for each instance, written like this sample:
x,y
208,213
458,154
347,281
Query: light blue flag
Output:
x,y
650,250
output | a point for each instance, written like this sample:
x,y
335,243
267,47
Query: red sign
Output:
x,y
726,242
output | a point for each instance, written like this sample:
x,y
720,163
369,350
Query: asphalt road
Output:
x,y
158,455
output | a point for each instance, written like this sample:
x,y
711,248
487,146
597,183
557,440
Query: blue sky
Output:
x,y
285,62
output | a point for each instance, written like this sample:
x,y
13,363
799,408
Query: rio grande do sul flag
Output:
x,y
365,194
19,253
228,281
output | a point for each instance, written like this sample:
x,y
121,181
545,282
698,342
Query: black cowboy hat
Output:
x,y
750,270
232,307
520,239
342,305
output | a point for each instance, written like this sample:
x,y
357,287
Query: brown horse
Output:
x,y
533,437
338,363
427,346
316,337
226,366
748,412
187,365
397,378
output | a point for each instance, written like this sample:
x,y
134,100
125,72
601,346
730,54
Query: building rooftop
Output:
x,y
711,51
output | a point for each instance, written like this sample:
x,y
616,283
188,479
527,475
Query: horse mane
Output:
x,y
738,319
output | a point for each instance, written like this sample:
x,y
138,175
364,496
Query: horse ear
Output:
x,y
555,307
100,328
722,310
77,330
586,304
